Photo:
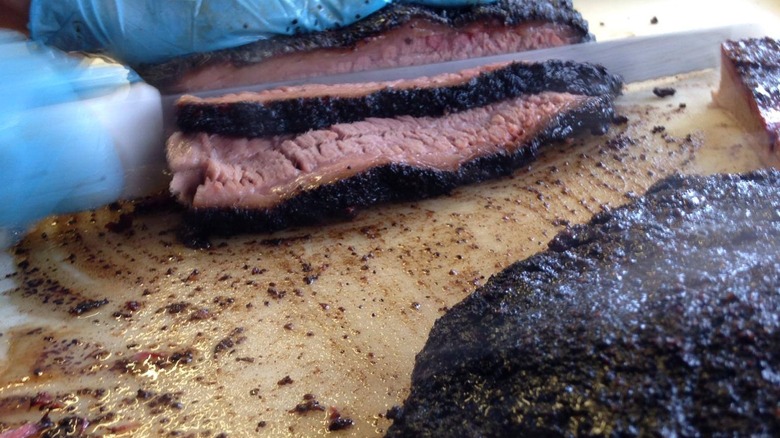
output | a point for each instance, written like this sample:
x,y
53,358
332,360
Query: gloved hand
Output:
x,y
56,154
151,31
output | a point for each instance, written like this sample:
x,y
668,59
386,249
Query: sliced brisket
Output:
x,y
236,185
750,90
399,35
499,117
656,319
302,108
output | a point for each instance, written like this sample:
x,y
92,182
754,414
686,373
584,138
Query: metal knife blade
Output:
x,y
635,59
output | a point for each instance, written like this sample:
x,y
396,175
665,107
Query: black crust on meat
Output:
x,y
757,61
510,12
655,319
389,183
251,119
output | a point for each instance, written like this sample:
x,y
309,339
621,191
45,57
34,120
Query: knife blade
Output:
x,y
635,59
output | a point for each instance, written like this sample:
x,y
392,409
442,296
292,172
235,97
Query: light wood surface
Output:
x,y
611,19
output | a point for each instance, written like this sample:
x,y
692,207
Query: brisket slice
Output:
x,y
234,185
302,108
659,318
399,35
750,90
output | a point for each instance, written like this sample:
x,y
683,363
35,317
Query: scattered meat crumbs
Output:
x,y
286,380
309,404
86,306
664,91
340,423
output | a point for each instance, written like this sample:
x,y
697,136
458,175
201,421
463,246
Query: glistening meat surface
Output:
x,y
399,35
655,319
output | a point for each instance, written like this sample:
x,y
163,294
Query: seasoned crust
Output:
x,y
750,90
245,118
657,318
509,12
388,183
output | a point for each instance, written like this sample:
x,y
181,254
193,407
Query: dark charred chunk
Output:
x,y
124,223
222,345
182,357
67,427
301,114
508,12
235,337
664,91
340,423
754,53
309,404
87,306
654,319
388,183
175,308
757,62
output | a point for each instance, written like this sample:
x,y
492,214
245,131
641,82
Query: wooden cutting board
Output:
x,y
610,20
276,334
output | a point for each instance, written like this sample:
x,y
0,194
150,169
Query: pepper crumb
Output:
x,y
340,423
86,306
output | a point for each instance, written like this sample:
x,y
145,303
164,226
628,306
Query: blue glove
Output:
x,y
54,157
151,31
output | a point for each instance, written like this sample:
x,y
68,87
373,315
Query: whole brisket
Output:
x,y
659,318
399,35
750,89
233,184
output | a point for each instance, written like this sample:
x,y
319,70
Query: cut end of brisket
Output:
x,y
397,36
750,91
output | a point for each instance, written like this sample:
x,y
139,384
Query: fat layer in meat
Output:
x,y
399,35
